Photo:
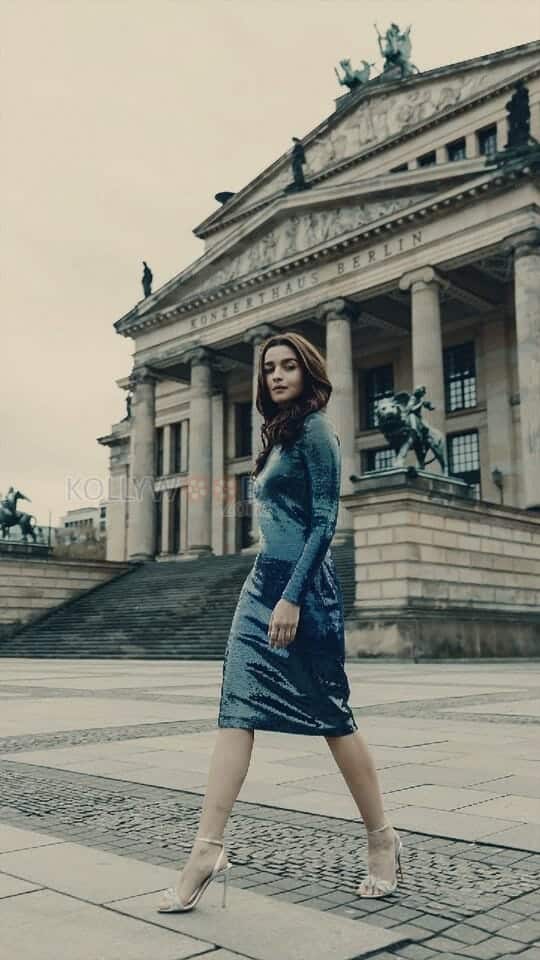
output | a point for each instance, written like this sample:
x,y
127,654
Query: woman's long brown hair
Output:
x,y
284,425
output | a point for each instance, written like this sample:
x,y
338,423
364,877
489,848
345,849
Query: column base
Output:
x,y
198,550
141,558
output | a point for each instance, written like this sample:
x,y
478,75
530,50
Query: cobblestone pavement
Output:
x,y
457,899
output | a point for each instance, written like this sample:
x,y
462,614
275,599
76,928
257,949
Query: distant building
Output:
x,y
83,523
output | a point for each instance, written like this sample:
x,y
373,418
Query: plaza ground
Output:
x,y
103,768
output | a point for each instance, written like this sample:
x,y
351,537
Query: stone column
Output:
x,y
499,412
218,474
165,499
526,247
200,452
256,336
141,529
427,353
338,316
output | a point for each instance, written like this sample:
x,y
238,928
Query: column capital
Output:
x,y
140,375
256,335
526,243
197,356
424,275
338,309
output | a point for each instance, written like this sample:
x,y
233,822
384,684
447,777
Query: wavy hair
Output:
x,y
284,424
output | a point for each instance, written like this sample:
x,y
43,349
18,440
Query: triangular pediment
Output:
x,y
295,227
378,114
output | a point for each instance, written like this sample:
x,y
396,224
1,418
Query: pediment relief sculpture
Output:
x,y
300,233
379,116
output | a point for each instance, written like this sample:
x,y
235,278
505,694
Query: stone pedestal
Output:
x,y
440,574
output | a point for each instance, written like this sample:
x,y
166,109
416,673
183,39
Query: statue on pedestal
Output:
x,y
519,117
129,400
147,278
396,51
298,159
11,517
400,420
520,145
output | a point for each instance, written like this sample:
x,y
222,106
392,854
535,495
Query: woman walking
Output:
x,y
284,661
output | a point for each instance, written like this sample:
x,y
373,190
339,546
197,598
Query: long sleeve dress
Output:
x,y
301,688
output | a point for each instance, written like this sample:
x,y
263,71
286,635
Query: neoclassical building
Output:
x,y
411,259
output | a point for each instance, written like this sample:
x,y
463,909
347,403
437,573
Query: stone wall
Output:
x,y
31,587
440,575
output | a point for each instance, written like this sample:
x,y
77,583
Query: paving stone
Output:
x,y
467,934
12,886
434,924
50,925
526,931
495,948
415,951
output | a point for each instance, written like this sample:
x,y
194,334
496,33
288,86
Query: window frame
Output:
x,y
370,399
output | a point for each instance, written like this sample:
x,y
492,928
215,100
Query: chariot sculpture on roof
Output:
x,y
396,47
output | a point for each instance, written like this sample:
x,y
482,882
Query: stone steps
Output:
x,y
169,610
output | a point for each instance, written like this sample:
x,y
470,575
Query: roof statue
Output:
x,y
395,47
147,278
298,159
353,78
520,143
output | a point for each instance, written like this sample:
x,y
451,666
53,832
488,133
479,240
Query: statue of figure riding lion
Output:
x,y
400,420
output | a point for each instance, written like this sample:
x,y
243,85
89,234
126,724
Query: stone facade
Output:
x,y
405,267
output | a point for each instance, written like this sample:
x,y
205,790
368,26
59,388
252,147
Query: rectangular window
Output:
x,y
176,447
174,520
456,150
464,457
242,429
159,451
401,167
487,140
427,159
459,376
379,382
380,458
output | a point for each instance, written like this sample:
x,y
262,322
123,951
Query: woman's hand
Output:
x,y
283,623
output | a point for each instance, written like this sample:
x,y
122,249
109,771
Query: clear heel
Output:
x,y
171,903
373,886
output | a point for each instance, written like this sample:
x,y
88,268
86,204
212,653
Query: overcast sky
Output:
x,y
120,120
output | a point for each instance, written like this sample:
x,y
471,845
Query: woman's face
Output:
x,y
283,370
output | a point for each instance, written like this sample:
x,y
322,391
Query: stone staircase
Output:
x,y
176,610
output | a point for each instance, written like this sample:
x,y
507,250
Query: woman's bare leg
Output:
x,y
354,759
228,768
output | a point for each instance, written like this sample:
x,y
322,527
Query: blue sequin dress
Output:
x,y
302,688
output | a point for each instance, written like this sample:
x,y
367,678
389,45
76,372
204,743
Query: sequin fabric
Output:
x,y
302,688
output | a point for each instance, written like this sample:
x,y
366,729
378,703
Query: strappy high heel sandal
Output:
x,y
174,905
374,886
